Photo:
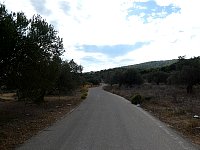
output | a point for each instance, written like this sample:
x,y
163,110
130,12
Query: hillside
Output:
x,y
152,64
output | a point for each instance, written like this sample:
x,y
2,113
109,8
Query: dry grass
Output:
x,y
19,121
7,96
170,104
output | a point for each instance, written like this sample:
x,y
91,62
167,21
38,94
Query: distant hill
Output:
x,y
153,64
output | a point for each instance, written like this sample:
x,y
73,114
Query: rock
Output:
x,y
196,117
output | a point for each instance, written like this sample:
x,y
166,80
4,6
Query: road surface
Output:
x,y
105,121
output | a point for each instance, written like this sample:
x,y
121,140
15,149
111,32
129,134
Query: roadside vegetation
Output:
x,y
30,58
171,93
36,86
84,92
170,104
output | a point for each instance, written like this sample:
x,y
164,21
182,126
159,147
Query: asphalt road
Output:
x,y
107,122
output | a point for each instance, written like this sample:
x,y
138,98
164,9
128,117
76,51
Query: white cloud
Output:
x,y
165,2
20,5
176,35
105,22
103,61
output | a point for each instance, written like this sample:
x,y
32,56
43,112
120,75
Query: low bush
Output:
x,y
84,95
136,99
84,89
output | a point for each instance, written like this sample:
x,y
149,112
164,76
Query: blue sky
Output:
x,y
102,34
111,50
150,9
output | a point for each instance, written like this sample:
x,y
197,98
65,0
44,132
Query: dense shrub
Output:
x,y
136,99
84,92
83,96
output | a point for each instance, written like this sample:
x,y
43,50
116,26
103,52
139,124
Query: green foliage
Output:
x,y
92,77
121,76
11,37
157,77
83,97
84,89
64,80
187,73
75,68
153,64
182,71
68,78
84,92
136,99
117,77
76,71
132,77
30,62
94,81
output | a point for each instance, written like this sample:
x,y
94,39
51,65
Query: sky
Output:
x,y
102,34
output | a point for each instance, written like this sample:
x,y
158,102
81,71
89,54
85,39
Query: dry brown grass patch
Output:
x,y
19,121
171,104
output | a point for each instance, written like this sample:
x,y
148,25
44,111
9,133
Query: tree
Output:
x,y
187,72
92,78
117,77
69,77
65,81
41,52
157,77
30,54
12,32
131,77
75,68
76,71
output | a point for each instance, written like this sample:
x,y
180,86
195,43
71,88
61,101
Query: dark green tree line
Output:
x,y
122,76
187,73
157,77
